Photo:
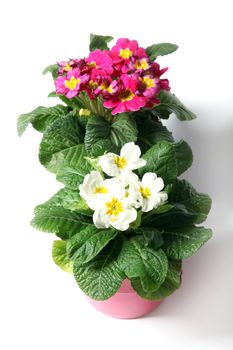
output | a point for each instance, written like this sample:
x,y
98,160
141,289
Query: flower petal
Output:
x,y
108,165
101,219
148,204
131,152
124,219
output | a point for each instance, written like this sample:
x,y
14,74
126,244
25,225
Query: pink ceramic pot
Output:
x,y
126,303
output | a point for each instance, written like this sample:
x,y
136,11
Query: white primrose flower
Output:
x,y
94,188
128,160
117,210
149,191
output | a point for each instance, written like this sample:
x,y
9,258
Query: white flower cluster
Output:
x,y
114,200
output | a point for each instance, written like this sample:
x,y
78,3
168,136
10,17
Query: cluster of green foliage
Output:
x,y
150,253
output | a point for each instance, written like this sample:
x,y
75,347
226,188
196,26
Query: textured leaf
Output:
x,y
40,118
197,203
171,283
162,49
163,208
55,201
138,259
123,130
73,201
183,155
53,69
62,134
151,132
181,243
169,103
165,159
102,146
63,222
100,278
178,216
103,136
150,237
72,166
161,160
86,244
60,257
99,42
97,129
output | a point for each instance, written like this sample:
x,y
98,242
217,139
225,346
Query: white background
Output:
x,y
41,306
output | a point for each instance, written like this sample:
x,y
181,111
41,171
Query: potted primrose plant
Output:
x,y
124,221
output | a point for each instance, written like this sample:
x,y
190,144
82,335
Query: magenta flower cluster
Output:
x,y
123,77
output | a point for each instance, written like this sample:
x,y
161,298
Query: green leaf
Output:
x,y
165,159
52,94
123,130
171,283
162,49
103,136
60,257
189,207
183,155
55,201
178,216
99,42
86,244
161,160
97,129
195,202
163,208
53,69
64,223
102,146
181,243
100,278
151,237
151,132
40,118
169,103
64,133
73,201
134,225
139,259
72,166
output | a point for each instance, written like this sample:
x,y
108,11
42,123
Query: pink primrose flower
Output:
x,y
124,51
100,60
157,72
149,86
70,84
66,66
127,99
107,89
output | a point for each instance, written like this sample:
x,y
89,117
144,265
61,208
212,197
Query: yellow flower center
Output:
x,y
145,191
148,82
72,83
92,84
92,64
141,64
114,207
110,89
126,95
120,162
101,189
125,53
67,67
106,87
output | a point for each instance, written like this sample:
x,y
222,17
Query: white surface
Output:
x,y
41,307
